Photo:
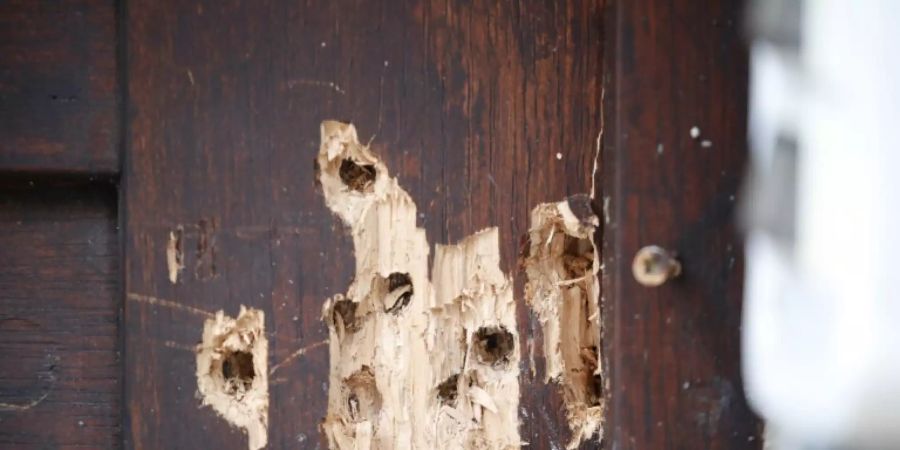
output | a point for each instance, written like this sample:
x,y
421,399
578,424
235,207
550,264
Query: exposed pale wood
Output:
x,y
467,102
482,109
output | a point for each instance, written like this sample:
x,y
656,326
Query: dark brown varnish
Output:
x,y
673,352
59,102
208,113
468,103
60,354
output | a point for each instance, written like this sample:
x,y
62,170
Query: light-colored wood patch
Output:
x,y
416,361
232,376
562,290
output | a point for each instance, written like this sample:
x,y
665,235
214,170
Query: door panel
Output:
x,y
468,103
673,160
206,117
59,309
59,106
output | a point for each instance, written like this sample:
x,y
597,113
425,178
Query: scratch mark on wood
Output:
x,y
296,354
26,406
380,105
291,84
179,346
23,406
599,144
155,301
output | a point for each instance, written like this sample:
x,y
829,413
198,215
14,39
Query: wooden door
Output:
x,y
157,164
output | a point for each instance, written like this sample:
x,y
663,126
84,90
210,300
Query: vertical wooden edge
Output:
x,y
612,192
603,189
123,120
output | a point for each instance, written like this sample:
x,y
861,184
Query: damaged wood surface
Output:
x,y
416,361
480,109
674,350
562,288
232,372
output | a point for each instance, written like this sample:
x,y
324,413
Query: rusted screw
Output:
x,y
654,265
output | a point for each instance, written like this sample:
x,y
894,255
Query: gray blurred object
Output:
x,y
821,331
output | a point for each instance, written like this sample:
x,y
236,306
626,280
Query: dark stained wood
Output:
x,y
59,307
58,90
674,351
468,103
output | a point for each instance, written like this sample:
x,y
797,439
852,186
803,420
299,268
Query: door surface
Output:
x,y
158,166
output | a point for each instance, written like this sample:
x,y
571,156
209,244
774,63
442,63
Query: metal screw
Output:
x,y
654,265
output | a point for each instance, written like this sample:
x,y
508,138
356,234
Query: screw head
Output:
x,y
654,265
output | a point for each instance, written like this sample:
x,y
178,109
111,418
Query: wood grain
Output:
x,y
59,308
482,109
674,351
58,91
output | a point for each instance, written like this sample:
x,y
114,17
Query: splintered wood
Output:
x,y
415,362
562,290
231,372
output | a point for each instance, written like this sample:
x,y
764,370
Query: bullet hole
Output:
x,y
363,397
595,397
401,289
346,310
448,390
357,177
583,207
237,370
578,257
493,345
593,381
